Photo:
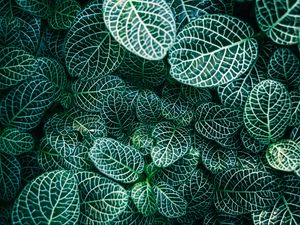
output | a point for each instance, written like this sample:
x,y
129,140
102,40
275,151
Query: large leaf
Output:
x,y
12,141
284,67
89,95
169,202
64,14
10,177
25,105
91,51
101,200
172,142
146,28
51,198
267,111
286,209
245,190
279,20
15,65
284,155
217,122
144,198
118,161
207,53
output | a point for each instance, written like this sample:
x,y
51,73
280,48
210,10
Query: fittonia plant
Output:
x,y
149,112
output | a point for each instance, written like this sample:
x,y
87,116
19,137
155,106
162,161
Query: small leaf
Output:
x,y
12,141
267,111
144,198
284,155
169,202
39,8
172,143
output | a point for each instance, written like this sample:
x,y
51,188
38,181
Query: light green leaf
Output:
x,y
51,198
207,53
101,200
169,202
216,121
267,111
144,198
145,28
279,20
24,106
286,209
91,51
116,160
12,141
172,142
240,191
141,139
284,155
15,66
10,177
63,14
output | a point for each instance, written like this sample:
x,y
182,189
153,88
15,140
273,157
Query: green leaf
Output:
x,y
216,121
198,192
131,216
267,111
235,93
295,116
64,14
286,209
145,28
144,198
24,106
217,159
148,107
12,141
169,202
10,177
195,96
279,20
284,67
251,143
143,72
51,198
15,66
186,11
295,134
207,53
172,142
240,191
141,139
39,8
89,95
180,170
101,200
91,51
284,155
116,160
